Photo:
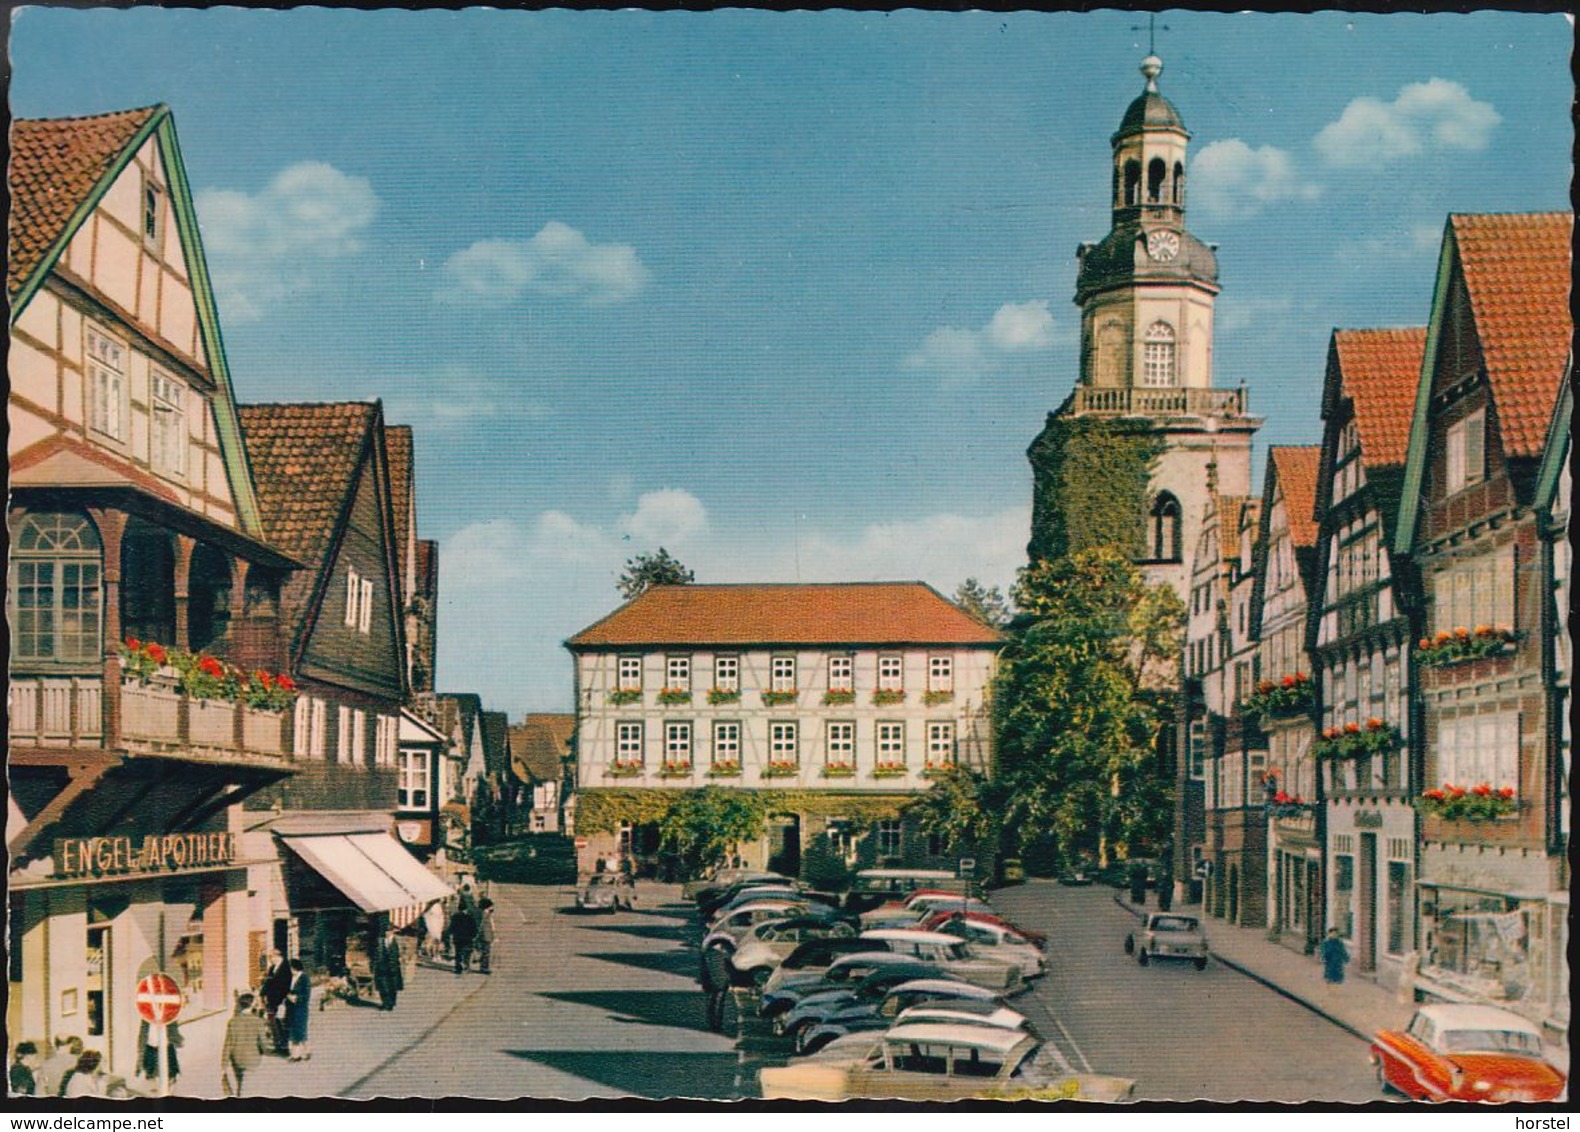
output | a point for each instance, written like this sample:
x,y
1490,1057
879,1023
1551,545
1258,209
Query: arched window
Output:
x,y
1179,184
1166,528
1132,182
1157,171
56,601
1157,367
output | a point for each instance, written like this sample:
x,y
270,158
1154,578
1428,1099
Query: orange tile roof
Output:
x,y
398,447
55,164
304,462
1380,370
862,613
538,745
1230,508
1517,271
1297,478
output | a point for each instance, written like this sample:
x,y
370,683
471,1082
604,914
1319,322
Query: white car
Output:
x,y
730,928
953,955
992,941
766,945
918,907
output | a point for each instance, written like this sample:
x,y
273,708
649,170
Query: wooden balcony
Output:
x,y
1138,402
157,718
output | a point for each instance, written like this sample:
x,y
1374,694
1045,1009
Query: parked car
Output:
x,y
932,923
1466,1052
812,958
709,903
695,890
1168,935
873,887
919,906
731,927
995,941
756,895
937,1062
866,993
1078,876
543,858
953,955
842,974
766,945
608,892
852,1016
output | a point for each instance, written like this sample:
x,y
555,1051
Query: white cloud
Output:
x,y
960,357
454,396
558,261
1231,180
1436,114
668,518
1420,241
274,243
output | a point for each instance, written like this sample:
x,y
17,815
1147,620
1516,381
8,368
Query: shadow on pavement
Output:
x,y
656,1075
667,962
678,1009
678,932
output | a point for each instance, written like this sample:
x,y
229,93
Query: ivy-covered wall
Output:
x,y
602,810
1090,480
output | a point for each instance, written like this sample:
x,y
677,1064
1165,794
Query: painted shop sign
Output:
x,y
151,853
1368,819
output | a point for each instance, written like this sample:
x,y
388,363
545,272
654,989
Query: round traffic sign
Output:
x,y
159,1000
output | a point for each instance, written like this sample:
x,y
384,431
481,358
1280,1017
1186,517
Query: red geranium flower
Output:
x,y
1462,633
211,667
133,644
1425,643
1456,791
1288,681
285,682
1506,792
1352,728
1281,798
1481,791
1374,724
1435,794
1300,677
263,678
156,652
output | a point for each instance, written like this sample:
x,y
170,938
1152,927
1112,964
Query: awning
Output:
x,y
373,871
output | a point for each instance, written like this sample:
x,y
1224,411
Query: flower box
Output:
x,y
834,697
889,770
1464,645
1353,741
781,770
933,699
774,699
724,695
675,770
1285,806
1476,804
839,770
205,677
884,696
1286,698
672,696
625,696
623,768
936,770
725,768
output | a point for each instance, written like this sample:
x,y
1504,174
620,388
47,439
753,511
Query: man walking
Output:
x,y
463,930
276,986
485,933
246,1041
388,978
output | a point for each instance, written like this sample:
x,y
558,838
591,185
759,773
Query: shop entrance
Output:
x,y
1366,944
784,844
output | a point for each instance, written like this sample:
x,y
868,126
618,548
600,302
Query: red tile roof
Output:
x,y
538,745
869,613
55,164
1297,477
304,462
1230,508
1517,271
1380,370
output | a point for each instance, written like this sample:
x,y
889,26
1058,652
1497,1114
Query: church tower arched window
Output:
x,y
1179,184
1157,173
1132,182
1157,360
1165,528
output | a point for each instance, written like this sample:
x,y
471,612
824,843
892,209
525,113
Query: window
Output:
x,y
387,738
1481,748
940,743
940,674
727,673
309,742
628,742
1467,458
1197,754
727,743
153,212
1166,537
783,674
1479,591
1157,357
842,744
677,744
1157,171
891,673
1344,893
55,600
938,847
841,673
413,779
890,837
359,601
630,674
782,743
167,430
1399,906
350,736
106,384
677,673
891,743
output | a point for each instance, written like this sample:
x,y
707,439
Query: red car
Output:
x,y
930,924
1465,1052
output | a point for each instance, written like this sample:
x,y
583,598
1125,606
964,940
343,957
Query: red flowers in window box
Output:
x,y
1478,803
205,677
1460,645
1287,698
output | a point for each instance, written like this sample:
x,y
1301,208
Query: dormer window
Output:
x,y
1157,365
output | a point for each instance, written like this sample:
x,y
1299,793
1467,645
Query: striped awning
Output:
x,y
373,871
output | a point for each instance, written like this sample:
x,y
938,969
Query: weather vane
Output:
x,y
1152,32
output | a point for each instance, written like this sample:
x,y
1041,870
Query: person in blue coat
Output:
x,y
1334,956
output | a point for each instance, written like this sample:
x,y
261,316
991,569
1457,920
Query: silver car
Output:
x,y
607,892
1168,935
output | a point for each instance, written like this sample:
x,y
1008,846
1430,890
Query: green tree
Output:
x,y
1079,703
701,827
985,603
660,569
963,808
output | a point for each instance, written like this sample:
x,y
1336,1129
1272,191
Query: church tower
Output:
x,y
1146,294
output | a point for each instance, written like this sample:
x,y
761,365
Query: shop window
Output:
x,y
1398,906
55,595
1478,940
1344,894
414,770
96,978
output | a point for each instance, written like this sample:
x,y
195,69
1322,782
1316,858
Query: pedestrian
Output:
x,y
25,1060
296,1012
276,985
247,1039
463,930
51,1076
433,930
148,1052
85,1078
1334,956
485,933
388,978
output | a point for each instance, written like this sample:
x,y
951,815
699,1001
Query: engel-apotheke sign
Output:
x,y
149,853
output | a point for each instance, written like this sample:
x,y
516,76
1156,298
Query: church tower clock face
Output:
x,y
1163,245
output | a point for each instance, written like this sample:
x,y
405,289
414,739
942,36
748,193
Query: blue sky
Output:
x,y
786,293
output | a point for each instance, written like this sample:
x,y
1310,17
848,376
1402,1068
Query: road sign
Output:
x,y
159,1000
581,843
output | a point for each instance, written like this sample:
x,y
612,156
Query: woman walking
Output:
x,y
296,1015
1334,956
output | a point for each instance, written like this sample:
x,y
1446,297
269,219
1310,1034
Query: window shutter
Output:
x,y
1475,446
